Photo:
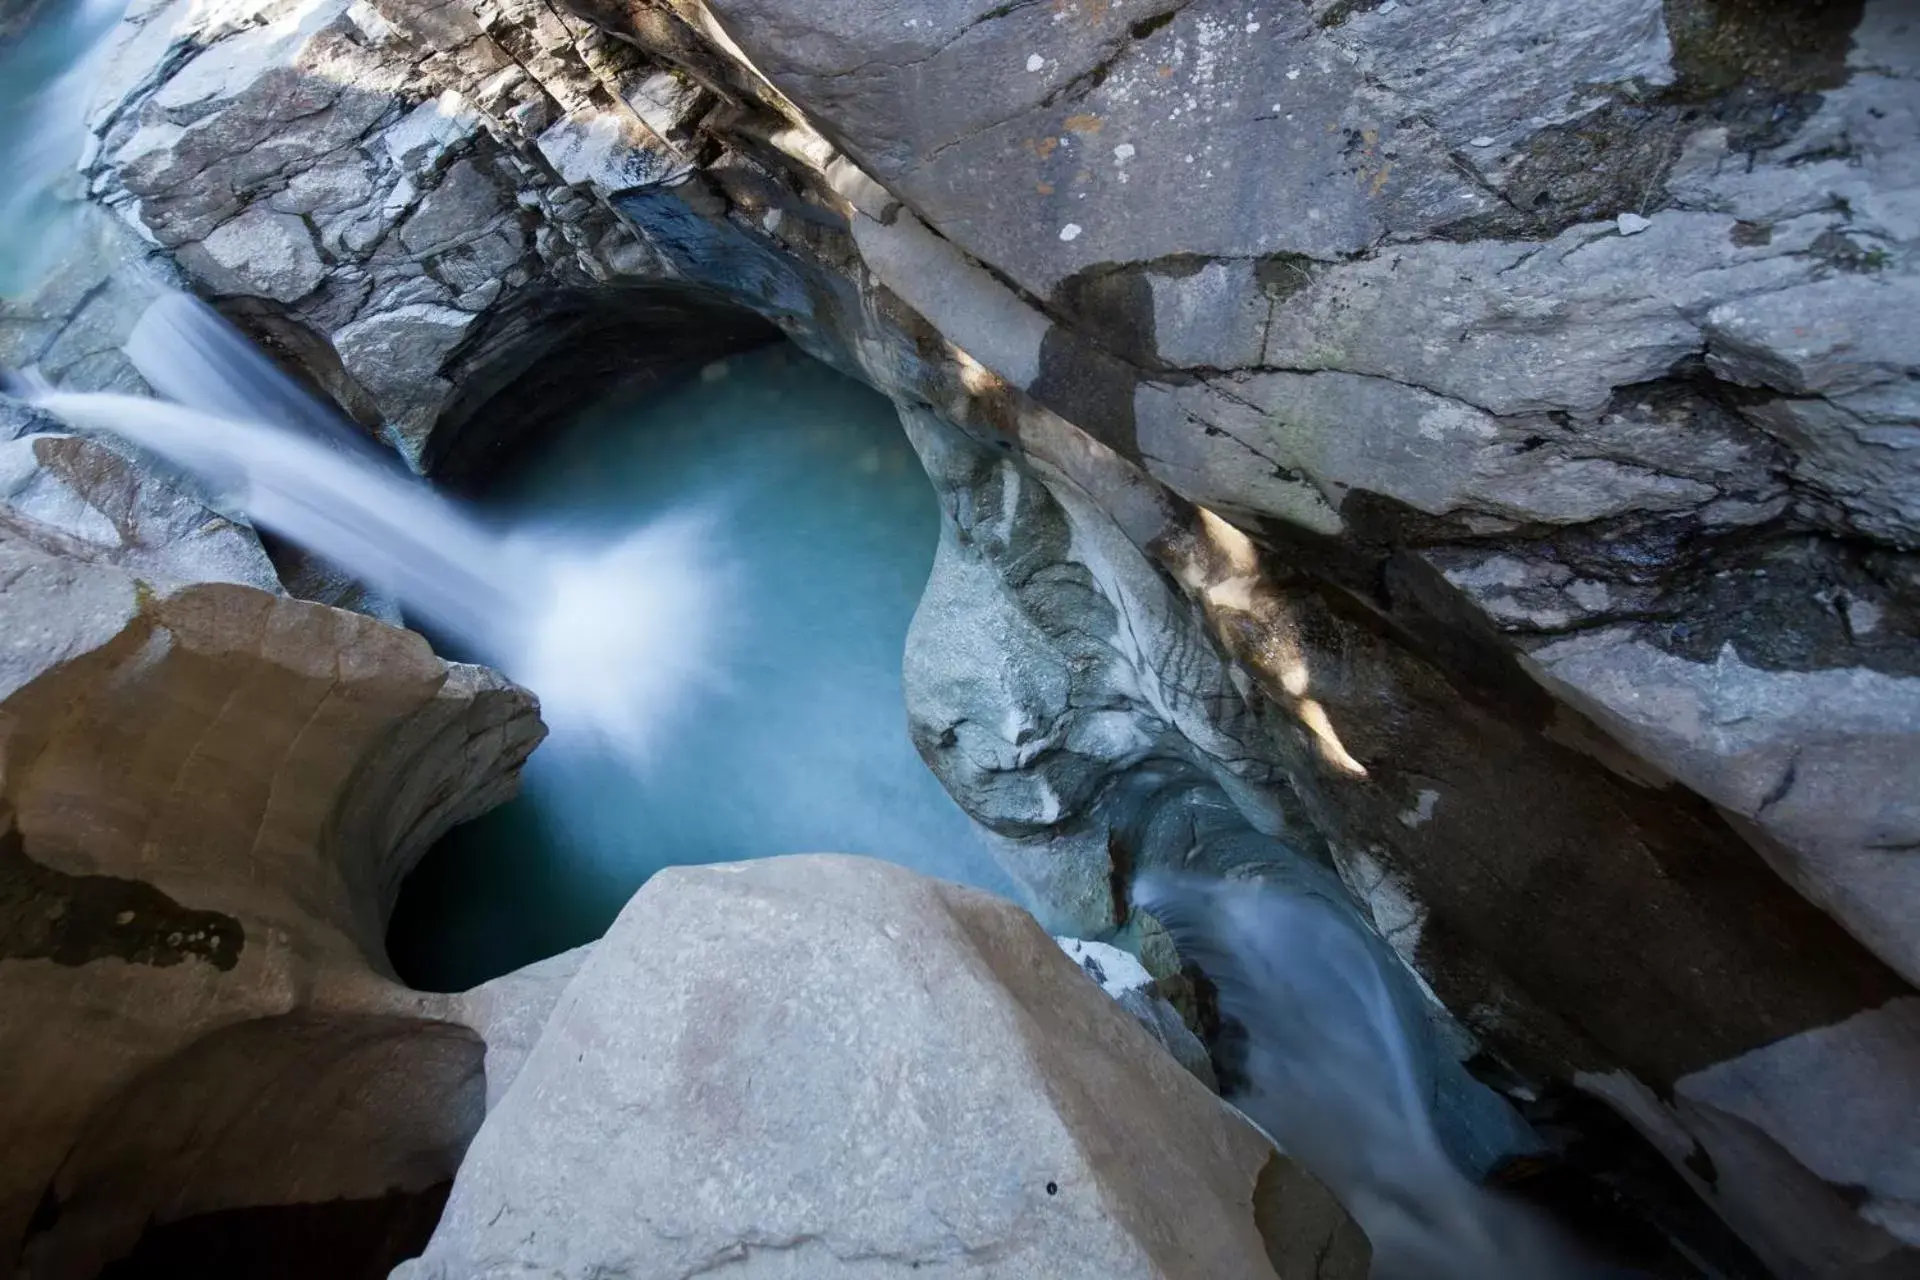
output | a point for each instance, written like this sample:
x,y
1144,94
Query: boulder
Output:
x,y
260,254
826,1066
125,516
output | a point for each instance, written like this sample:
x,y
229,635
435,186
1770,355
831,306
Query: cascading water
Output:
x,y
1328,1070
610,661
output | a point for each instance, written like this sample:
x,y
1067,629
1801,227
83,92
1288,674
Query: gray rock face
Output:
x,y
69,326
124,517
1482,74
1780,1151
1047,657
824,1066
1839,812
297,169
1113,135
260,254
510,1012
396,355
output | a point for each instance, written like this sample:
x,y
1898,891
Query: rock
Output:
x,y
285,120
396,356
1213,99
260,254
1856,1131
211,792
666,104
1124,978
1807,1139
1214,317
1248,443
462,207
1479,71
1027,689
1838,813
993,1110
609,151
420,141
89,493
1512,327
1522,594
69,325
510,1012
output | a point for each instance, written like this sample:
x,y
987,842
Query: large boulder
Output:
x,y
826,1066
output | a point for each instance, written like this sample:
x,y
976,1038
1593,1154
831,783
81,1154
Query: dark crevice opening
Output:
x,y
537,364
332,1240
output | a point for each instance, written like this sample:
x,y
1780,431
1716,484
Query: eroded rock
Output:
x,y
210,793
1492,331
1124,978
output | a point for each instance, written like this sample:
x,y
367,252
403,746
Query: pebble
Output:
x,y
1035,62
1632,224
1484,140
1070,232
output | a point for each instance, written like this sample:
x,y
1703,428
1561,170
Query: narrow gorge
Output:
x,y
1077,638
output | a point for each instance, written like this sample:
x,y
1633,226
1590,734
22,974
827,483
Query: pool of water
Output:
x,y
826,529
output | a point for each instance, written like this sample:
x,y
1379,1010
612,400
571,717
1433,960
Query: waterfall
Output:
x,y
613,638
1329,1073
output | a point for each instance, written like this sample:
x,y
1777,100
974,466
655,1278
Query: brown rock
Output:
x,y
209,794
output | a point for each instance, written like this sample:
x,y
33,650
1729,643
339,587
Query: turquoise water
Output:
x,y
798,741
46,51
